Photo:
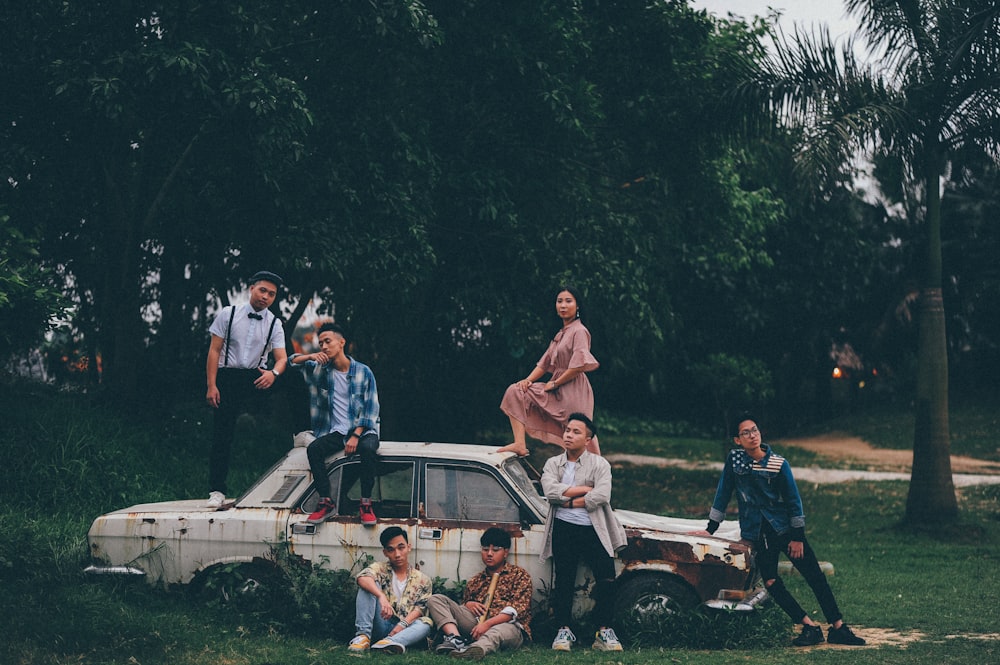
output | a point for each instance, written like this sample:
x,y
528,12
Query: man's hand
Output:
x,y
351,445
213,398
385,608
265,380
319,358
795,549
477,609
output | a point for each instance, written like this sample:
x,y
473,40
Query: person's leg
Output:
x,y
808,566
566,553
233,397
504,637
414,634
603,568
368,450
766,557
366,609
520,444
317,452
514,405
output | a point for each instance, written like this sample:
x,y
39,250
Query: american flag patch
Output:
x,y
773,465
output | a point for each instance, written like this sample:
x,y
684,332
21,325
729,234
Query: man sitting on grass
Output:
x,y
490,623
392,599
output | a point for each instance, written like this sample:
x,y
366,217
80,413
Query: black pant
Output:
x,y
237,395
327,445
571,544
768,547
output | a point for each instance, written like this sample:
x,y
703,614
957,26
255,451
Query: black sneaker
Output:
x,y
451,643
810,636
844,635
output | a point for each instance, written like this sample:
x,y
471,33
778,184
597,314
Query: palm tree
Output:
x,y
934,88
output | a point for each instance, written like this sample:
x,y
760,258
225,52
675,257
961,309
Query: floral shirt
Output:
x,y
415,594
513,590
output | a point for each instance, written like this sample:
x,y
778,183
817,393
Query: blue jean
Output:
x,y
368,621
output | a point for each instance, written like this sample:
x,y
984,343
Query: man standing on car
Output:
x,y
486,622
242,337
353,423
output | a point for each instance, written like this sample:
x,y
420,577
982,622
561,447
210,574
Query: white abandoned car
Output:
x,y
444,496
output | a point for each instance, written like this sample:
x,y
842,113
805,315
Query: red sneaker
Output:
x,y
326,510
367,514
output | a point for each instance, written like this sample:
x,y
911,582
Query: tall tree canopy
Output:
x,y
934,90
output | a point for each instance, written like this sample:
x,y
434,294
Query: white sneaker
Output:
x,y
215,500
564,639
606,640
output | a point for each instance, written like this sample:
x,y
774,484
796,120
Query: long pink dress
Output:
x,y
544,413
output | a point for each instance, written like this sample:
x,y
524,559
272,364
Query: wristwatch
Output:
x,y
276,373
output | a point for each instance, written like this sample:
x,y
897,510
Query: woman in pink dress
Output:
x,y
540,409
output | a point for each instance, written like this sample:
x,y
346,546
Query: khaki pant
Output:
x,y
443,609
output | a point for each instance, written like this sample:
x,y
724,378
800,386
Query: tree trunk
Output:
x,y
931,499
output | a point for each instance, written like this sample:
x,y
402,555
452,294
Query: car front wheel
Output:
x,y
643,600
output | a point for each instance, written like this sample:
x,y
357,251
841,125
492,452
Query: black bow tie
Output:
x,y
255,315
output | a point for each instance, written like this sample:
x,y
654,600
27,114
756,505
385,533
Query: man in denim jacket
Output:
x,y
771,517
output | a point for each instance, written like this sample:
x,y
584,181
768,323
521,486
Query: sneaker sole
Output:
x,y
600,646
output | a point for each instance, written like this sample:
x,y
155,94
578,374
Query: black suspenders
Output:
x,y
229,330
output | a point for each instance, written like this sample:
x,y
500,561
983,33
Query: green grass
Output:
x,y
974,427
66,460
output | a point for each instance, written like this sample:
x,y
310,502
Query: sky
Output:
x,y
805,13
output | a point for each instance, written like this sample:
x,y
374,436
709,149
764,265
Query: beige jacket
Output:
x,y
594,471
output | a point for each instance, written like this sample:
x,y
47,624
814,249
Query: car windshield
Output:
x,y
527,479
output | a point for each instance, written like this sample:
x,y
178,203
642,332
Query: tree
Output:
x,y
936,90
29,297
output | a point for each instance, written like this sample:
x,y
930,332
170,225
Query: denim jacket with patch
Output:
x,y
765,490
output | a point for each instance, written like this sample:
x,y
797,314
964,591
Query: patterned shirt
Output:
x,y
513,590
415,594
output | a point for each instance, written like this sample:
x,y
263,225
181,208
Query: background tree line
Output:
x,y
432,171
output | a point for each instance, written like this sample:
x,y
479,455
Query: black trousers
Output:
x,y
327,445
571,545
769,546
237,395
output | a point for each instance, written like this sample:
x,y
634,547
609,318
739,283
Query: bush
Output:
x,y
703,628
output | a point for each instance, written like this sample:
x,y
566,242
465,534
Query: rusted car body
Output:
x,y
444,496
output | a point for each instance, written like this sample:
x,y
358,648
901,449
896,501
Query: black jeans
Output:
x,y
768,547
571,544
237,395
327,445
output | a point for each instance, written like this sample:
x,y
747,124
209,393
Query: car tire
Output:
x,y
642,598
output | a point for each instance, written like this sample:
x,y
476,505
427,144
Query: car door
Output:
x,y
343,542
458,501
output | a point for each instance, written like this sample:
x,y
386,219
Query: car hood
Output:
x,y
729,530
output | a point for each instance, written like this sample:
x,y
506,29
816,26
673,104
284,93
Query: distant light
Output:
x,y
837,374
861,384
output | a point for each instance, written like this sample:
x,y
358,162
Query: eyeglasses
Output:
x,y
747,433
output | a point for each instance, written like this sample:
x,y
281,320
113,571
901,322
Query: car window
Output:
x,y
467,494
526,477
393,490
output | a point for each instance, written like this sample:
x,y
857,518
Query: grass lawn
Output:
x,y
66,460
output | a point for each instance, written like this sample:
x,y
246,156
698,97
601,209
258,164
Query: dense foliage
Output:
x,y
428,173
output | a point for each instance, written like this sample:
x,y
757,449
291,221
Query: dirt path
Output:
x,y
843,448
838,448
